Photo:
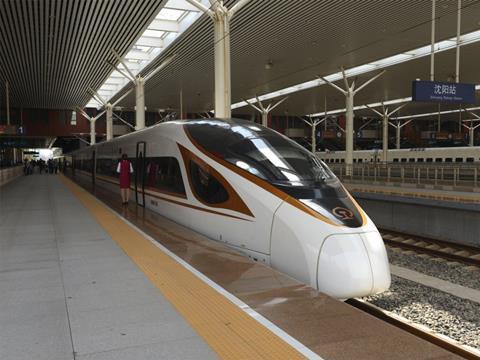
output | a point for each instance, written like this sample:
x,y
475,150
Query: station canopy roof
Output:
x,y
54,51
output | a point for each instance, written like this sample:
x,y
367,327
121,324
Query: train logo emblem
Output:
x,y
342,213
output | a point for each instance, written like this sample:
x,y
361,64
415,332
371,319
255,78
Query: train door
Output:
x,y
140,160
94,167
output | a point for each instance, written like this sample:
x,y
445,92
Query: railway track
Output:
x,y
465,254
420,331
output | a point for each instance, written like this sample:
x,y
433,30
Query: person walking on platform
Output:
x,y
124,169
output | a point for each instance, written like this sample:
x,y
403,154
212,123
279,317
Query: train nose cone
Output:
x,y
348,264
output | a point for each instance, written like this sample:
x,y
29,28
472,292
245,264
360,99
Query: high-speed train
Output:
x,y
255,190
464,154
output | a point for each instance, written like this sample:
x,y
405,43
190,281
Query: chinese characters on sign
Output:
x,y
433,91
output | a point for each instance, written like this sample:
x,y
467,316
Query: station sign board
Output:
x,y
434,91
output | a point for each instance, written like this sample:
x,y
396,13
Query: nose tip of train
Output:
x,y
353,265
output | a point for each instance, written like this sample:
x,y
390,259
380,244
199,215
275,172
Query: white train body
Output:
x,y
466,154
311,230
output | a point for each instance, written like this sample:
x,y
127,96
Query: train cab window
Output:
x,y
429,160
206,186
448,159
438,159
458,159
470,159
163,173
404,160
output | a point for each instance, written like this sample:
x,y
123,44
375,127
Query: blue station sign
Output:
x,y
434,91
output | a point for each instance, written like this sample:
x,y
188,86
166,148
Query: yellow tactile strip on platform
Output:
x,y
228,330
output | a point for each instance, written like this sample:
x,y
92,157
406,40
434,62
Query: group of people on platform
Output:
x,y
51,166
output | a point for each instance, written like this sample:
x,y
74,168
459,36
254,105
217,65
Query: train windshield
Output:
x,y
261,151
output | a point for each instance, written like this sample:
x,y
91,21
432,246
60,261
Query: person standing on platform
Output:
x,y
124,169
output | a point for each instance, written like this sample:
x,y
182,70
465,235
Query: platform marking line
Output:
x,y
229,326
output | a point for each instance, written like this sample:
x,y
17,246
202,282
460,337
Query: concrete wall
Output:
x,y
8,174
430,218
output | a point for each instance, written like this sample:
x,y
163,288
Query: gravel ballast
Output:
x,y
446,314
448,271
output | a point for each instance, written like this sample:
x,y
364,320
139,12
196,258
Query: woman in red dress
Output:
x,y
124,168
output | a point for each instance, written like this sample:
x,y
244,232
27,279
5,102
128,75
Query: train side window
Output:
x,y
395,160
411,160
206,186
342,161
163,173
458,159
438,159
107,167
404,160
470,159
448,159
360,160
421,159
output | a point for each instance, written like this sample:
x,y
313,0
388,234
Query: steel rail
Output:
x,y
418,330
469,260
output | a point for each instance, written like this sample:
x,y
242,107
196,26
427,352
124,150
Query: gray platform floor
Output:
x,y
67,291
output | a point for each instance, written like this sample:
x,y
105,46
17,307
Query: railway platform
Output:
x,y
449,215
82,277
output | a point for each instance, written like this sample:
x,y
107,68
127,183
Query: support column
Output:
x,y
222,66
221,17
385,114
471,133
109,121
7,99
314,124
140,103
385,139
92,132
398,128
349,93
264,111
349,133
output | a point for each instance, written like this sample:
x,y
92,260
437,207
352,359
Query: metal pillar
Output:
x,y
92,131
108,109
265,110
92,120
7,99
349,93
139,83
109,121
432,46
398,127
139,103
471,128
457,53
385,114
221,17
313,124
